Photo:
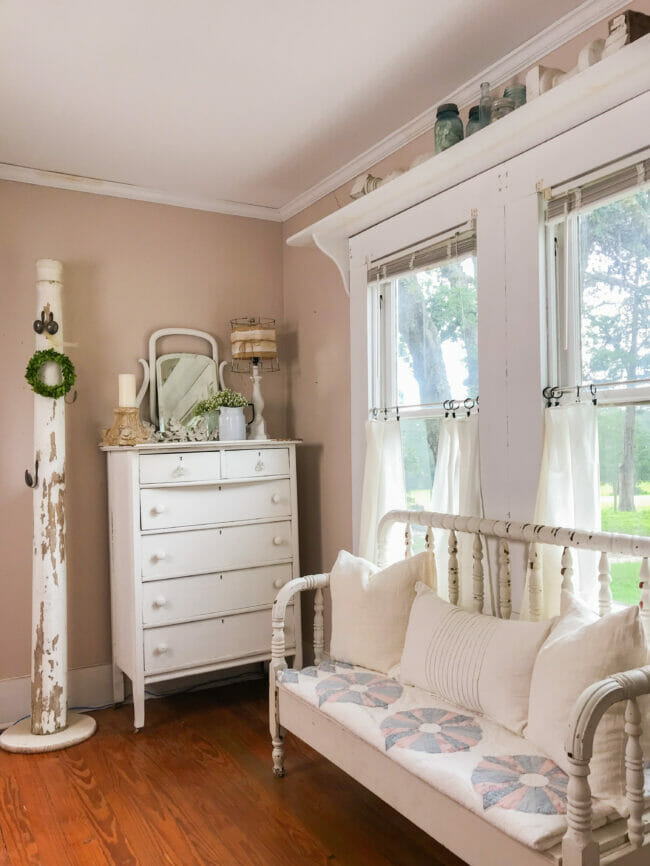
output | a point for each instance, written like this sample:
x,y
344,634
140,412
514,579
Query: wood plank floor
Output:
x,y
195,787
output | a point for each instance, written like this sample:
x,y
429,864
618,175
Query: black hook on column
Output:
x,y
29,481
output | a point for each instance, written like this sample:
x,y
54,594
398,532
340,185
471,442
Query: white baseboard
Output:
x,y
87,687
92,687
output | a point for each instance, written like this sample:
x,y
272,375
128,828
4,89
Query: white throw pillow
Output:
x,y
478,662
370,608
581,650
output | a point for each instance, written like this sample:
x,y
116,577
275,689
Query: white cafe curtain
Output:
x,y
568,495
383,489
457,490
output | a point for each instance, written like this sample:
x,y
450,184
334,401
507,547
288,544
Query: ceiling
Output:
x,y
249,101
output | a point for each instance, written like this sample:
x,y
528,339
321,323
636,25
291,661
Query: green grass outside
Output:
x,y
625,582
630,522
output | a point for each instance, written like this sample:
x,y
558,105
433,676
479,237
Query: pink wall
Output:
x,y
129,268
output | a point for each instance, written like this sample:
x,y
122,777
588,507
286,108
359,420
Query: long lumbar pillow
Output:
x,y
370,608
478,662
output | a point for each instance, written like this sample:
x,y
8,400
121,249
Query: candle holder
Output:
x,y
127,428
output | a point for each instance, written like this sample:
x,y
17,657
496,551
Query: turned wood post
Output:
x,y
319,626
578,845
49,602
453,567
566,570
604,585
644,586
634,778
535,586
505,582
477,574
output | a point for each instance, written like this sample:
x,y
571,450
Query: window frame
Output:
x,y
383,397
563,298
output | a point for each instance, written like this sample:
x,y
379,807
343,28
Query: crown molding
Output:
x,y
60,180
531,52
582,17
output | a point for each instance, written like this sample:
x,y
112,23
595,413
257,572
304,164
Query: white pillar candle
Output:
x,y
126,383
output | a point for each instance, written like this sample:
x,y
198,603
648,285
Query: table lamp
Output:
x,y
254,349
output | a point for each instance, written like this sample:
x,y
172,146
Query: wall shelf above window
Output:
x,y
618,78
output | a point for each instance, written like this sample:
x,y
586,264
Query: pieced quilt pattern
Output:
x,y
466,756
524,783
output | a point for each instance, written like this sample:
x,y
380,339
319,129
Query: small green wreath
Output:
x,y
68,375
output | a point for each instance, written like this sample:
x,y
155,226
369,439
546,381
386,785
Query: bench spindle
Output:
x,y
644,604
319,630
578,845
634,781
429,543
566,570
535,587
605,586
505,583
408,541
453,567
477,574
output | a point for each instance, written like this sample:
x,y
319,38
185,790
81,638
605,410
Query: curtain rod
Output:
x,y
449,406
556,392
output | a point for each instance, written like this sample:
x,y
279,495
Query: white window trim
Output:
x,y
512,360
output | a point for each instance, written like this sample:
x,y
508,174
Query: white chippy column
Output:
x,y
48,727
49,567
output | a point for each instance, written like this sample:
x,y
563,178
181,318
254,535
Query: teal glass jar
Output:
x,y
449,127
516,92
474,122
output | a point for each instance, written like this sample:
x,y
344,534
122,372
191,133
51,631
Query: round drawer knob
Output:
x,y
279,582
277,541
159,555
159,601
275,498
158,509
161,649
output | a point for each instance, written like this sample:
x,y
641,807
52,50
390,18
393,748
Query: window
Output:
x,y
599,334
424,347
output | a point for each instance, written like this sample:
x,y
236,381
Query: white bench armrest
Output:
x,y
578,845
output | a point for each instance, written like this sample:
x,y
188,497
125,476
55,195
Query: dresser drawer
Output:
x,y
191,644
160,468
201,551
253,463
164,507
181,598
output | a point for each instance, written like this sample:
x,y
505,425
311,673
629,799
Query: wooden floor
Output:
x,y
195,787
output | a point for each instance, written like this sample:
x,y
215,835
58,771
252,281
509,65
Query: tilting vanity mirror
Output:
x,y
181,379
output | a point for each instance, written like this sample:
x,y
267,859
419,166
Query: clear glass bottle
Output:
x,y
485,104
474,122
449,127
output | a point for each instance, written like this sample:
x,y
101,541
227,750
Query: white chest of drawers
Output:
x,y
202,536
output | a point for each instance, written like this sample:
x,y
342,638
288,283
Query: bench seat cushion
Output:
x,y
470,758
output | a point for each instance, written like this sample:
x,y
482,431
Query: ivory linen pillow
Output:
x,y
370,608
478,662
582,649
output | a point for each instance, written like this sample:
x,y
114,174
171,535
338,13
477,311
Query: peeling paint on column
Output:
x,y
49,603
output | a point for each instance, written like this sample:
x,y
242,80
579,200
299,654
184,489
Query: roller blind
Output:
x,y
589,194
456,246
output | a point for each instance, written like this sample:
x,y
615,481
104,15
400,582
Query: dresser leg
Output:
x,y
138,704
118,685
